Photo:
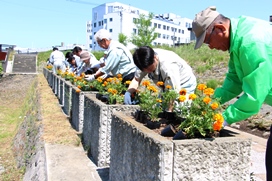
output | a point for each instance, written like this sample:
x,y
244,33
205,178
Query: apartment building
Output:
x,y
118,18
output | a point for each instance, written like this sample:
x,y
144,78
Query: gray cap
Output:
x,y
201,22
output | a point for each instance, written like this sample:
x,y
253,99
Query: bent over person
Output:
x,y
118,59
249,42
161,65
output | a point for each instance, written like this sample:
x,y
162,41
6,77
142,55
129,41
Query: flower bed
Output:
x,y
138,153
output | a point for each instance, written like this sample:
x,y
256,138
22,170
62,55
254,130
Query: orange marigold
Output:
x,y
78,90
119,75
79,86
207,100
214,105
208,91
168,87
201,87
146,83
217,126
182,92
160,83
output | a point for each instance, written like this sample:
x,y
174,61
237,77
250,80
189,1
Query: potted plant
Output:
x,y
202,114
150,104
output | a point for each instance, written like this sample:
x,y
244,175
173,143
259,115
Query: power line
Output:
x,y
83,2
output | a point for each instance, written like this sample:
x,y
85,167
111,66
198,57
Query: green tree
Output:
x,y
146,33
122,38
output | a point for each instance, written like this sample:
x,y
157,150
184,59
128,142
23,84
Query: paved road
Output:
x,y
24,63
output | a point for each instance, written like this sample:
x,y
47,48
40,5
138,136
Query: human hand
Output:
x,y
225,123
89,77
127,98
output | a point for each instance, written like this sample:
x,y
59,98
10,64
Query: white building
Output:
x,y
118,18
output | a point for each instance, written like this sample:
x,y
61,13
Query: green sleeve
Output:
x,y
231,87
254,69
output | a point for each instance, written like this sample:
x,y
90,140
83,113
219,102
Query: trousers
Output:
x,y
268,157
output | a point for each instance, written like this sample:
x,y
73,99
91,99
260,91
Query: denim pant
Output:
x,y
268,157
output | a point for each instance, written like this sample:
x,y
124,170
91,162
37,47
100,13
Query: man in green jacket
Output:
x,y
249,42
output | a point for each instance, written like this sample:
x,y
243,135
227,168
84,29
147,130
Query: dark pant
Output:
x,y
268,157
128,77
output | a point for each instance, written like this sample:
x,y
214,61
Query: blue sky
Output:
x,y
45,23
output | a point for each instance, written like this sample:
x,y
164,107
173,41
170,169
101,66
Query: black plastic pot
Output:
x,y
98,96
153,124
169,131
105,98
179,136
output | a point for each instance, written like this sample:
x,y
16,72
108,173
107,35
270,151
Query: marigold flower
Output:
x,y
128,82
214,105
160,83
168,87
152,88
105,83
99,79
159,100
120,78
182,92
201,87
79,86
207,100
146,83
218,117
78,90
192,96
119,75
217,126
182,98
208,91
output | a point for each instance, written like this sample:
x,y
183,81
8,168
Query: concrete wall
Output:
x,y
96,135
138,153
77,107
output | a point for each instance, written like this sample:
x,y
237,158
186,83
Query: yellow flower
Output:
x,y
192,96
218,118
168,87
182,98
128,82
159,100
201,87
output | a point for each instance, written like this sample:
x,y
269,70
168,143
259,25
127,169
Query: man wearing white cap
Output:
x,y
249,42
119,58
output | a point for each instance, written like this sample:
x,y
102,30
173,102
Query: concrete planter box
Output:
x,y
138,153
96,135
78,108
61,91
67,98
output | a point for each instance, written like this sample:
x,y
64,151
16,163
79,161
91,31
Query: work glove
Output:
x,y
89,78
127,98
225,123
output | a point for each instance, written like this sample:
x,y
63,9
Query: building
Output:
x,y
118,18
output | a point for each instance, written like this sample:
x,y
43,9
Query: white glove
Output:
x,y
89,77
225,123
